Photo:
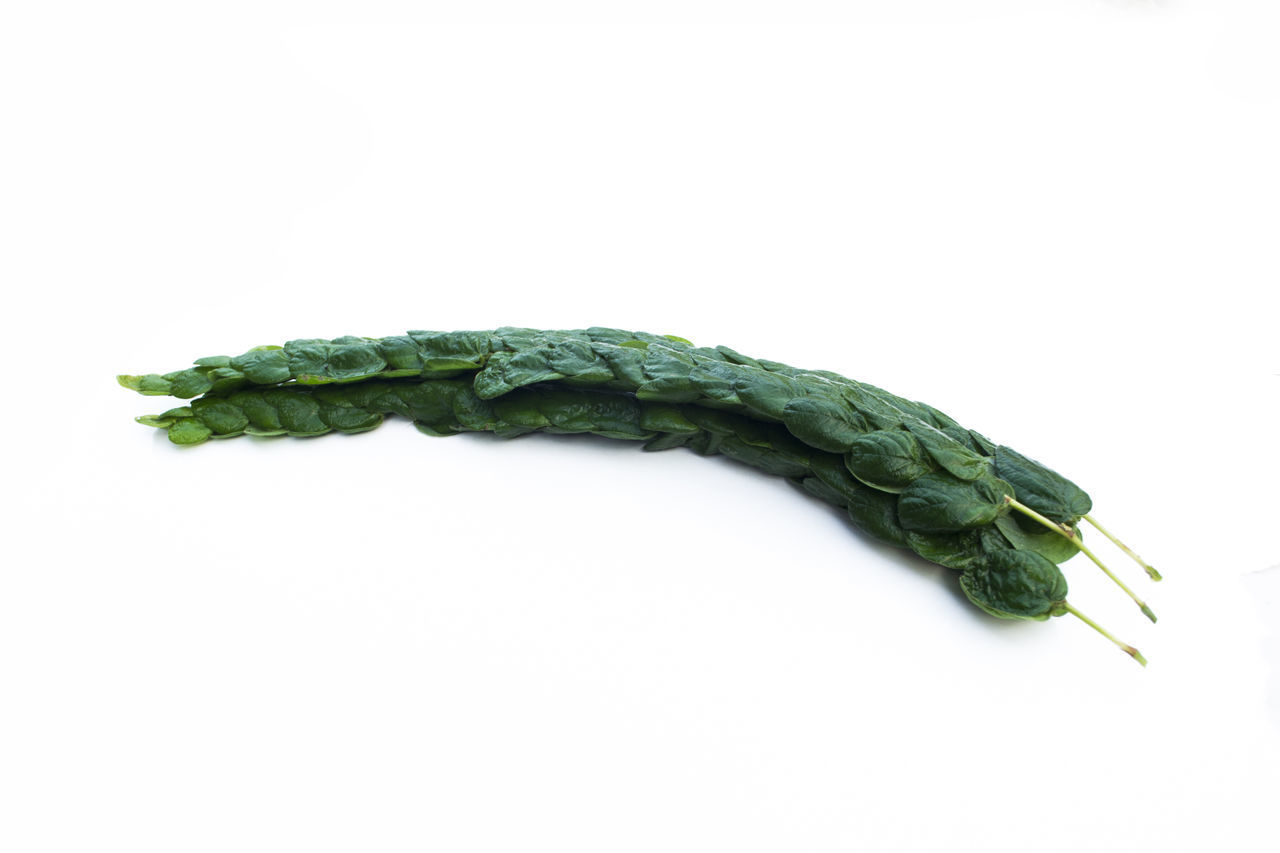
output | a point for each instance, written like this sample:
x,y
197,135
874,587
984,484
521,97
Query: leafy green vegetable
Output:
x,y
887,459
1016,585
906,473
941,503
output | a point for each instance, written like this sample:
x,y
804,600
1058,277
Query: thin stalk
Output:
x,y
1150,569
1125,647
1064,531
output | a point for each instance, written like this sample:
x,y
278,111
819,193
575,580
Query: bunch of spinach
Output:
x,y
906,473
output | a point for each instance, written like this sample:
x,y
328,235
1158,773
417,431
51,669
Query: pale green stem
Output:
x,y
1070,534
1125,647
1150,569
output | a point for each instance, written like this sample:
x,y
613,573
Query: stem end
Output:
x,y
1125,647
1135,654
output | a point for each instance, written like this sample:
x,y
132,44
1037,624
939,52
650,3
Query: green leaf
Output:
x,y
820,490
189,383
222,417
941,503
1045,491
521,410
458,348
354,361
889,460
471,412
824,422
738,358
876,514
263,416
767,394
831,470
718,380
1015,585
661,362
400,352
766,459
298,411
1025,534
661,417
505,372
153,385
951,455
307,359
625,363
954,550
577,362
982,444
431,401
349,418
263,367
675,389
225,380
189,431
721,423
606,414
871,404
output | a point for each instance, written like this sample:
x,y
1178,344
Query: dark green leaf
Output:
x,y
951,455
767,394
298,411
940,503
676,389
889,460
1045,491
823,492
400,353
354,361
876,514
824,422
660,417
222,417
1015,585
1026,534
189,383
764,458
954,550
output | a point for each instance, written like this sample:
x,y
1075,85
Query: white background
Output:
x,y
1055,221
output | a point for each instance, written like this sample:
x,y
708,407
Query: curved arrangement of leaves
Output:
x,y
907,474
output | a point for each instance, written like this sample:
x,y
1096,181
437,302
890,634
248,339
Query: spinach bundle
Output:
x,y
906,473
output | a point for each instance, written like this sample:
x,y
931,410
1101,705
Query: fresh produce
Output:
x,y
907,474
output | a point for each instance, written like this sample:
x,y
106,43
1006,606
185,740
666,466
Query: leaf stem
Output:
x,y
1063,530
1125,647
1150,569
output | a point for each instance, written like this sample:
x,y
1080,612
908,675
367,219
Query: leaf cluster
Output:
x,y
906,473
